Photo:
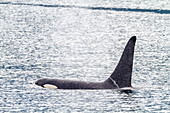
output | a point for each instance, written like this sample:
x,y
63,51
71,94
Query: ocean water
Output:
x,y
83,40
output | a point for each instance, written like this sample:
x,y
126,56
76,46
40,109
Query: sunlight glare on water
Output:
x,y
83,40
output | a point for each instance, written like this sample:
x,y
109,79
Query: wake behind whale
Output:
x,y
119,79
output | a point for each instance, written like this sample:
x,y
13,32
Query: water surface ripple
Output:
x,y
83,40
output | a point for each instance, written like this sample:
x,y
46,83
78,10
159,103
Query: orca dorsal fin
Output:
x,y
121,77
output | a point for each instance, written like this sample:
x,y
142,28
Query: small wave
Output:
x,y
22,67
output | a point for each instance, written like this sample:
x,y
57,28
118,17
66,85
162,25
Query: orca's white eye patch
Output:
x,y
50,86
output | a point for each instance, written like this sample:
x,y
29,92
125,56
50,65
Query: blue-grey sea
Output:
x,y
83,40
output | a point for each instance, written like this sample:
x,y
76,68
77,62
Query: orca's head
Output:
x,y
46,83
41,82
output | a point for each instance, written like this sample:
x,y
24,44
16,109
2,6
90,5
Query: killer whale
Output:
x,y
120,78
